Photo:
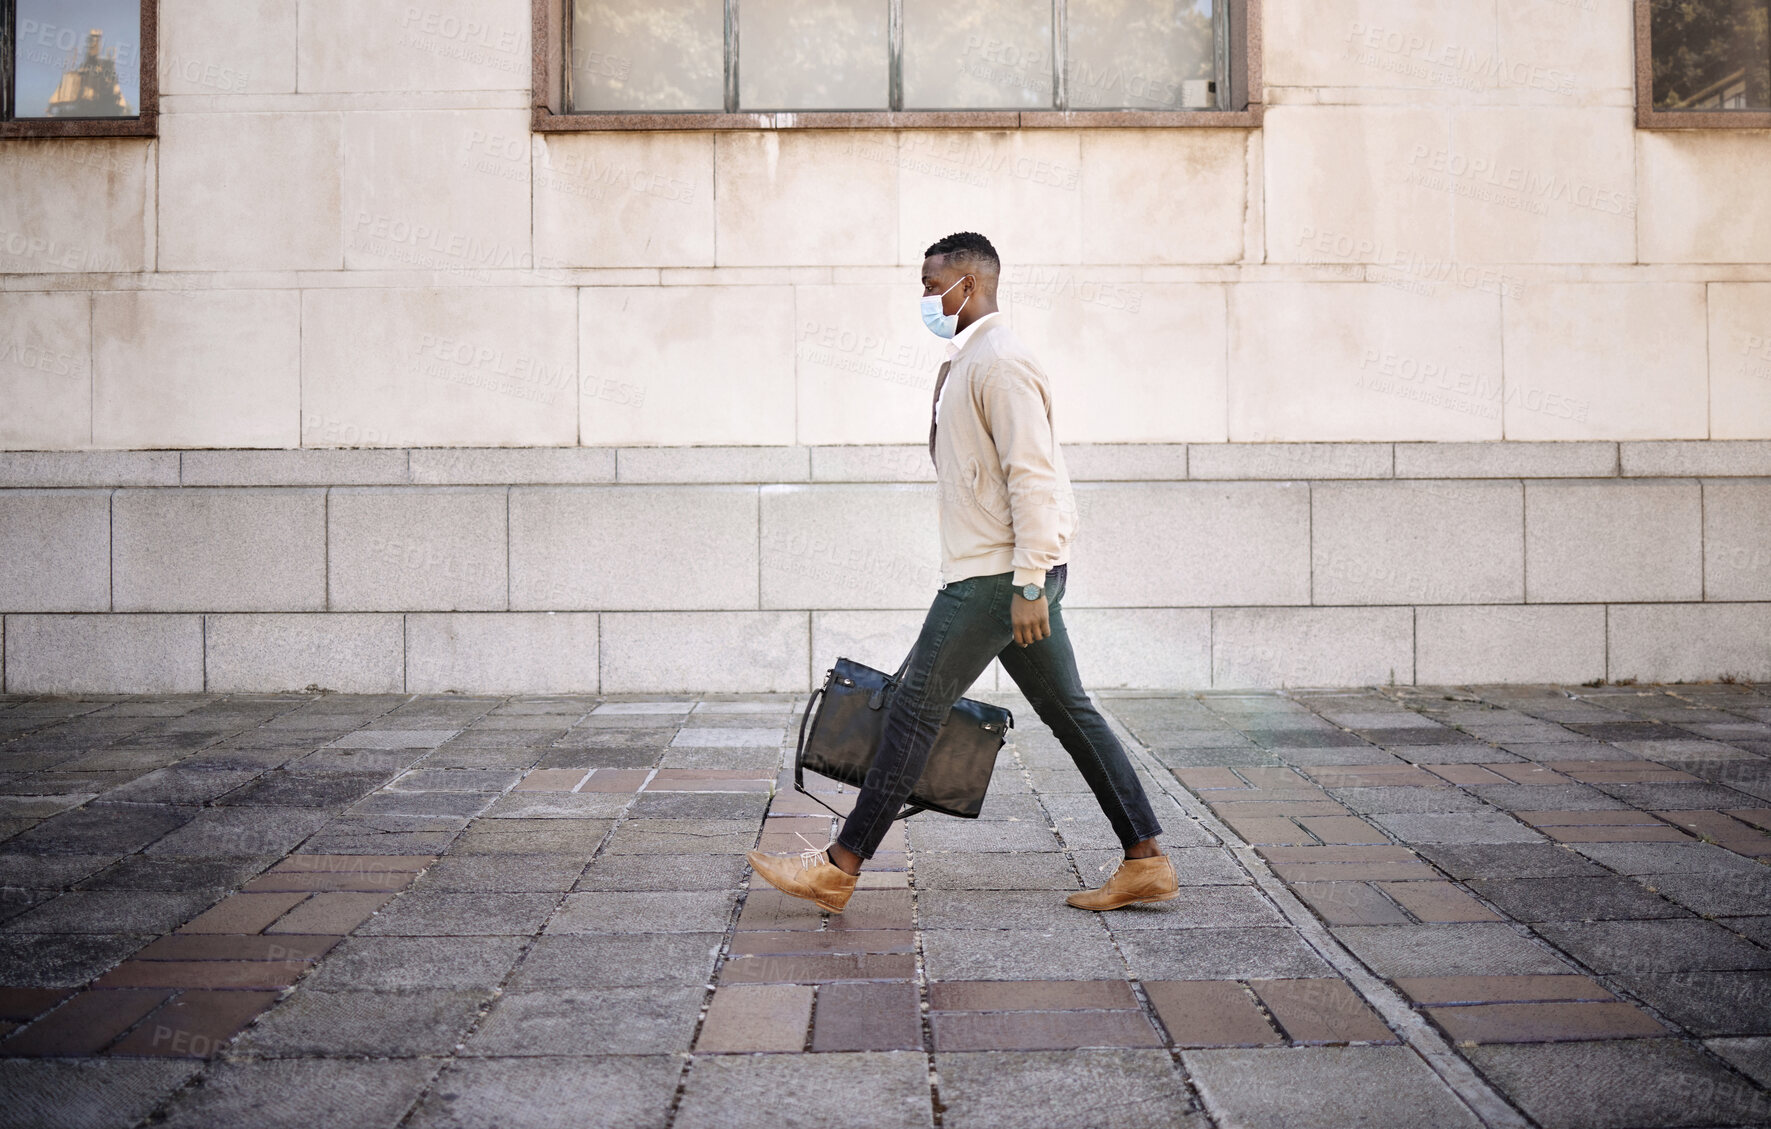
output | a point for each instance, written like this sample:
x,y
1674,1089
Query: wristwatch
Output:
x,y
1032,591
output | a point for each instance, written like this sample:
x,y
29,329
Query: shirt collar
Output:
x,y
964,335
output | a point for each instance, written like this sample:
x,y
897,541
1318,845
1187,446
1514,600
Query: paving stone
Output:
x,y
1709,1003
1717,894
329,914
244,913
1545,1022
182,786
85,1024
1210,1013
34,960
644,912
1685,857
1575,899
482,913
1393,799
797,941
1655,946
867,1017
1032,995
1619,1084
587,960
980,954
1209,953
757,1017
1509,860
817,968
1321,1010
507,873
1500,989
86,1093
1437,902
1127,1089
209,946
557,805
1328,1087
965,836
878,1090
114,911
1457,827
451,809
1350,903
700,805
397,963
139,872
678,872
1199,906
373,1024
240,831
1041,910
632,1091
682,837
301,1093
575,1021
114,829
18,870
1678,797
532,837
217,974
195,1024
1477,949
1546,797
1752,1057
305,789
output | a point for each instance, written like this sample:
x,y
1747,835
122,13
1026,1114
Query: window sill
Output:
x,y
147,125
1702,119
545,121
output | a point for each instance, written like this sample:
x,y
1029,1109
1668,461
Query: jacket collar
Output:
x,y
975,331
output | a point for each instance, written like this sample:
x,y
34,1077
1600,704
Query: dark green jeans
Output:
x,y
968,625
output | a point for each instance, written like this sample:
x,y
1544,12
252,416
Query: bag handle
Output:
x,y
799,764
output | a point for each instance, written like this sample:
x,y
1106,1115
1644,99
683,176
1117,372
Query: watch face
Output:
x,y
1032,592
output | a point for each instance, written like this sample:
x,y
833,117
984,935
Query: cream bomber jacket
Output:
x,y
1005,496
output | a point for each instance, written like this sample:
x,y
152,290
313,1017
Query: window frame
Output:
x,y
551,37
145,123
1647,117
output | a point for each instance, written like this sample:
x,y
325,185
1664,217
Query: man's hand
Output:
x,y
1031,619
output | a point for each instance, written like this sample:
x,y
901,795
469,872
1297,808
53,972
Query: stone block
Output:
x,y
220,47
513,653
218,549
624,199
1537,643
292,468
104,654
1698,196
80,207
89,468
633,547
1131,361
465,365
1737,540
1141,648
196,368
848,546
1689,642
806,199
1606,360
1191,211
1114,462
1359,43
1288,460
1566,54
1324,1086
46,370
1273,647
1201,544
865,367
435,548
686,364
1713,458
713,464
894,463
250,191
1506,460
1025,187
716,652
1417,542
450,45
1588,541
352,653
58,550
1740,365
1322,361
523,466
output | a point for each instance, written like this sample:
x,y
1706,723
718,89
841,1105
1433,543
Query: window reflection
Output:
x,y
1711,54
996,54
662,55
1140,55
77,59
813,55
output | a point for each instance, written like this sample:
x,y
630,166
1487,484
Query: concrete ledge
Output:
x,y
510,653
1219,461
352,653
893,463
1509,459
1716,458
721,652
480,466
1509,643
1106,462
88,468
713,464
1689,642
104,654
293,468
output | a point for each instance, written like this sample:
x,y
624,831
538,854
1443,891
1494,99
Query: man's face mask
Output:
x,y
940,323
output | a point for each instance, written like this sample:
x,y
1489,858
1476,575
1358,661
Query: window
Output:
x,y
700,64
75,68
1703,63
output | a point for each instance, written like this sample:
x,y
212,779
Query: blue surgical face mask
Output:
x,y
942,324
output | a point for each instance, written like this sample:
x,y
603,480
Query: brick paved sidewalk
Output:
x,y
1401,907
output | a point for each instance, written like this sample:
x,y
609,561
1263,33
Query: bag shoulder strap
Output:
x,y
799,752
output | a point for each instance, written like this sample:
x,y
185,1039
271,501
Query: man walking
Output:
x,y
1007,517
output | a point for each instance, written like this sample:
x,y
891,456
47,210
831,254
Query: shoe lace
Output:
x,y
809,857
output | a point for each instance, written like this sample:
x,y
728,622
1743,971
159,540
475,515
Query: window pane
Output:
x,y
1140,55
1711,54
78,59
813,54
660,55
996,54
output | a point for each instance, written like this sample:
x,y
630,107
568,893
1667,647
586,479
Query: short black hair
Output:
x,y
967,249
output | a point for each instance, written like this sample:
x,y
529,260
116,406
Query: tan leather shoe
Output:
x,y
1137,880
809,874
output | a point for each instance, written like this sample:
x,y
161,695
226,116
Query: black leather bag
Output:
x,y
844,725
